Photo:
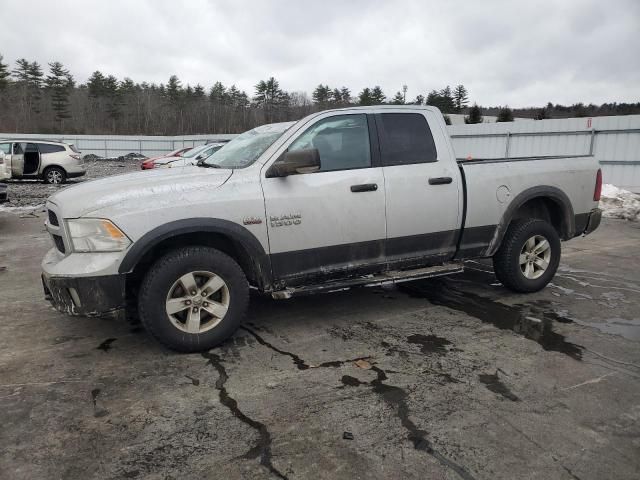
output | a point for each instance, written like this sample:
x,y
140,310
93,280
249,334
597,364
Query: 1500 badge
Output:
x,y
285,220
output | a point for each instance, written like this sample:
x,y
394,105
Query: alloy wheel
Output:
x,y
197,302
534,257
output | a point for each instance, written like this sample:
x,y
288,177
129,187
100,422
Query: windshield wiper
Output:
x,y
207,165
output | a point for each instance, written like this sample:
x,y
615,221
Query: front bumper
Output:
x,y
91,296
593,221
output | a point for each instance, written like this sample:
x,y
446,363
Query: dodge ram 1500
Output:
x,y
355,196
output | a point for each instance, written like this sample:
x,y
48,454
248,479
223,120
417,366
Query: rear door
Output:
x,y
329,223
421,188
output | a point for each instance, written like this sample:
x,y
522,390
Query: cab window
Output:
x,y
342,142
5,148
405,139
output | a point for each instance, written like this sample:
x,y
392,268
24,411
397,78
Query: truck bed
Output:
x,y
492,184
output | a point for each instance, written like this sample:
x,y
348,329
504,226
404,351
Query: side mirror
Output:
x,y
291,163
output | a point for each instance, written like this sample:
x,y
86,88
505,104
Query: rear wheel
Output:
x,y
54,175
194,298
529,255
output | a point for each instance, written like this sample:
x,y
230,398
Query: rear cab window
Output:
x,y
48,148
405,139
5,148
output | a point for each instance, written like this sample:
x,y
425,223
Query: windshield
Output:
x,y
245,149
194,151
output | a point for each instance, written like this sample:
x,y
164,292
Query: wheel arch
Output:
x,y
228,237
545,202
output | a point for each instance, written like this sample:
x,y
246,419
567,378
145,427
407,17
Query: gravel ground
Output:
x,y
30,194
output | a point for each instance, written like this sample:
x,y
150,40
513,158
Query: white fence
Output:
x,y
117,145
614,141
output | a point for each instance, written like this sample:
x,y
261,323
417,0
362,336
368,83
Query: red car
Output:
x,y
150,162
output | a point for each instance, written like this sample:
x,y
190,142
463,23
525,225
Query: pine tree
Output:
x,y
59,83
218,93
364,97
505,115
95,84
398,99
345,96
174,90
336,96
198,91
321,95
460,97
377,95
419,100
446,100
113,96
475,115
270,97
4,74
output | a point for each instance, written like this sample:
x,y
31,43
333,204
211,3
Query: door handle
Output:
x,y
440,180
365,187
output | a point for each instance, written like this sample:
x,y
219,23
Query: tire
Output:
x,y
524,242
163,289
54,175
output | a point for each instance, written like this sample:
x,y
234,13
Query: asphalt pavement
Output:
x,y
445,378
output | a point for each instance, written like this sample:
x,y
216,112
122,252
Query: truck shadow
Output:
x,y
475,293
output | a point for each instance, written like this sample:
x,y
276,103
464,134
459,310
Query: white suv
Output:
x,y
50,161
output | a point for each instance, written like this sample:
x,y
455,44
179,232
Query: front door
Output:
x,y
329,223
422,197
17,160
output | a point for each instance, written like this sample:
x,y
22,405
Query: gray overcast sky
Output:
x,y
520,53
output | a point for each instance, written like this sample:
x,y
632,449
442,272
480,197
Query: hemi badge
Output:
x,y
252,221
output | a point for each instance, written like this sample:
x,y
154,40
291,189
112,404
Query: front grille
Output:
x,y
53,219
57,239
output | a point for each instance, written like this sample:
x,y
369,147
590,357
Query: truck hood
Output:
x,y
137,189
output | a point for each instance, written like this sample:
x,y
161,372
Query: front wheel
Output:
x,y
193,298
528,257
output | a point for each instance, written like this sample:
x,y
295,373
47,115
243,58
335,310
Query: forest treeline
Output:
x,y
37,99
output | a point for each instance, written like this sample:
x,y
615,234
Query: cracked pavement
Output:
x,y
444,378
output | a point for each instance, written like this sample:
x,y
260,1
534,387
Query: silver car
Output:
x,y
50,161
192,157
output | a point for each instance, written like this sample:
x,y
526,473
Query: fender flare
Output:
x,y
260,260
554,194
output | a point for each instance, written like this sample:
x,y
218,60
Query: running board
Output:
x,y
385,278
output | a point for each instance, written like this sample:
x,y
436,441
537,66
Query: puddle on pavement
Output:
x,y
533,321
629,329
495,385
429,343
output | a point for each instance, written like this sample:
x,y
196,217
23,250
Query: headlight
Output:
x,y
96,235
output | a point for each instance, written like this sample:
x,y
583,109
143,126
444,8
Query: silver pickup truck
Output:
x,y
356,196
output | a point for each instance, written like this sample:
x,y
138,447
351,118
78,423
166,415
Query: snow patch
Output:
x,y
618,203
